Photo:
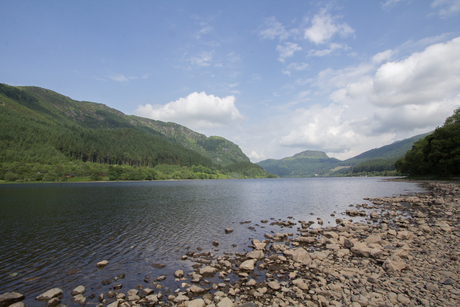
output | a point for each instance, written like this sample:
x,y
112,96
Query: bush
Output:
x,y
9,176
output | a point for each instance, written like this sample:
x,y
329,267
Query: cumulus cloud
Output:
x,y
205,29
196,111
324,26
118,77
378,101
324,52
287,50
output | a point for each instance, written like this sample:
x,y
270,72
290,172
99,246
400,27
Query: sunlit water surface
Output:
x,y
52,235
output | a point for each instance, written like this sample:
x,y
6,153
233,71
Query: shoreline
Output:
x,y
405,254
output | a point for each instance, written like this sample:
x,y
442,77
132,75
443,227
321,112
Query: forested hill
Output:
x,y
107,132
40,127
378,161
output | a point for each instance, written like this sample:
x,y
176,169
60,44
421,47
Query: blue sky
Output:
x,y
274,77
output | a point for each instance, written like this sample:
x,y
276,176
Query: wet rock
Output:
x,y
160,278
106,282
196,290
248,265
215,243
53,302
102,263
257,254
18,304
79,299
274,285
118,287
78,290
9,298
181,298
196,303
228,230
225,302
46,296
179,274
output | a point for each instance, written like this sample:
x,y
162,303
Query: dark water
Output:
x,y
52,235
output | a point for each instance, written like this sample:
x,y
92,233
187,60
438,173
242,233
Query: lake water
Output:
x,y
52,235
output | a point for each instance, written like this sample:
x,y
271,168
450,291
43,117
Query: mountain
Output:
x,y
42,128
305,164
310,163
55,109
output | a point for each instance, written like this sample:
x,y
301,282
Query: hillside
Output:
x,y
46,128
310,163
304,164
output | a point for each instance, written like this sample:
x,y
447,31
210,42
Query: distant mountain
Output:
x,y
310,163
88,123
305,164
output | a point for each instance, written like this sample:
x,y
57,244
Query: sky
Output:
x,y
274,77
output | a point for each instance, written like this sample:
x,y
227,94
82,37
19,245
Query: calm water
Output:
x,y
52,235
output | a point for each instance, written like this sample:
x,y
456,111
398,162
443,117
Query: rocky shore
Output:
x,y
405,253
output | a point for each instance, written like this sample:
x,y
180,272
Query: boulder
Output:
x,y
78,290
46,296
248,265
225,302
199,302
298,255
79,299
257,254
9,298
196,290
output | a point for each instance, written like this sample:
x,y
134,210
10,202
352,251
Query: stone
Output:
x,y
53,302
301,284
274,285
374,215
78,290
251,283
208,270
403,299
199,302
298,255
225,302
196,278
228,230
374,238
179,274
18,304
132,292
248,265
196,290
147,291
307,240
153,298
102,263
9,298
394,264
46,296
405,235
114,304
79,299
257,254
259,246
181,298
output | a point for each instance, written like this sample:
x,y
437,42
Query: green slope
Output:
x,y
310,163
56,109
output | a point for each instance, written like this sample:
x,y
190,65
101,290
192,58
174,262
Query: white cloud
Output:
x,y
205,29
118,77
272,29
378,102
324,27
287,50
324,52
295,66
196,111
232,57
446,7
202,60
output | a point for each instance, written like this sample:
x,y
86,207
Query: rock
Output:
x,y
301,284
196,278
298,255
208,270
18,304
160,278
374,215
132,292
257,254
79,299
199,302
181,298
228,230
274,285
153,298
403,299
215,243
248,265
196,290
147,292
307,240
114,304
53,302
259,246
225,302
55,292
78,290
9,298
373,238
251,283
179,274
444,226
405,235
106,282
118,287
394,264
102,263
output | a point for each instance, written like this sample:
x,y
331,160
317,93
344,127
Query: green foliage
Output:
x,y
376,165
437,154
247,170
